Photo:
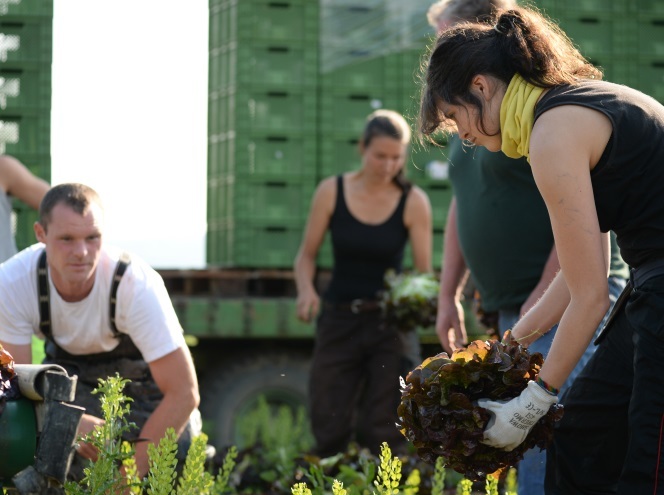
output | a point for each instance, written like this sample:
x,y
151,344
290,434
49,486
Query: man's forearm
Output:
x,y
22,354
173,411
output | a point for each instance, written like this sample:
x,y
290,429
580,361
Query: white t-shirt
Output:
x,y
144,310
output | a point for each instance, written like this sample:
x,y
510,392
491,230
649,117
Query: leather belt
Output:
x,y
355,306
638,276
647,271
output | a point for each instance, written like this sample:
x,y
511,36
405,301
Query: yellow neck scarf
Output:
x,y
517,116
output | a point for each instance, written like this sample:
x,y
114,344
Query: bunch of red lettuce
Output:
x,y
439,412
410,300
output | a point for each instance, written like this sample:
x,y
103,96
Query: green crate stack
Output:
x,y
245,318
427,165
649,58
26,52
254,244
356,77
291,83
623,37
369,53
262,118
358,73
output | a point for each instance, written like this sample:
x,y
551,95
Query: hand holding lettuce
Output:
x,y
439,411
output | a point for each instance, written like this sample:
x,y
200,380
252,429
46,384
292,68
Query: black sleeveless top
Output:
x,y
363,252
628,180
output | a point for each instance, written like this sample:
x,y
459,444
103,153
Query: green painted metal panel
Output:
x,y
26,8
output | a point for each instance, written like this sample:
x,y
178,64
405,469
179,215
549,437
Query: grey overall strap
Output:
x,y
45,302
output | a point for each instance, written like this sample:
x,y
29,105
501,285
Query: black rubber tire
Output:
x,y
234,387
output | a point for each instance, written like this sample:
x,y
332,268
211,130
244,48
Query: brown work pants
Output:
x,y
354,382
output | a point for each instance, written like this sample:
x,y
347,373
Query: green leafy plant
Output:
x,y
412,483
410,300
389,472
104,475
300,489
221,485
162,462
195,479
277,439
355,469
131,471
338,488
465,487
510,482
491,485
357,472
438,485
275,427
439,412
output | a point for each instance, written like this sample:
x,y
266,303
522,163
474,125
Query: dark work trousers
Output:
x,y
609,440
357,362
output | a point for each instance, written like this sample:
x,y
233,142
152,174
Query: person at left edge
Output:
x,y
16,181
143,341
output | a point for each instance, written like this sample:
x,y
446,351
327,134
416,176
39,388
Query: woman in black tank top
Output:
x,y
597,154
371,214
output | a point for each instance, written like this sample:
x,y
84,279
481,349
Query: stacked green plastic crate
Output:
x,y
358,73
624,37
26,47
369,52
262,115
428,164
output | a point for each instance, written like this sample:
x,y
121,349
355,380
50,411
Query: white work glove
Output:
x,y
512,420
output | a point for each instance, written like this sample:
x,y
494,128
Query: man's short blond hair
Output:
x,y
76,196
465,10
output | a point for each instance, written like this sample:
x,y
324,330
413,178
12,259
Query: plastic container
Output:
x,y
26,40
257,199
278,155
18,437
347,111
26,8
23,89
253,244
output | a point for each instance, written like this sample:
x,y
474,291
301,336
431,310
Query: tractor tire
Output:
x,y
233,389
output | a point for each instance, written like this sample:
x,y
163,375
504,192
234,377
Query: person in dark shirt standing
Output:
x,y
371,214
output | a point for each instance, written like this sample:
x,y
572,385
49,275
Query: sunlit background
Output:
x,y
129,117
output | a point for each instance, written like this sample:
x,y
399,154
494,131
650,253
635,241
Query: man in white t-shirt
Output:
x,y
94,326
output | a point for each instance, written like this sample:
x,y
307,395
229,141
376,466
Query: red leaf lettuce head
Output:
x,y
439,412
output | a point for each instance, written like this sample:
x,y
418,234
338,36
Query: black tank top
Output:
x,y
363,252
628,180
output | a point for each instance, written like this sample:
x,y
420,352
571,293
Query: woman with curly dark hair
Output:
x,y
517,84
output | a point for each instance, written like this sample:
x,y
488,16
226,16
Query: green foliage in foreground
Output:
x,y
387,481
115,469
291,473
